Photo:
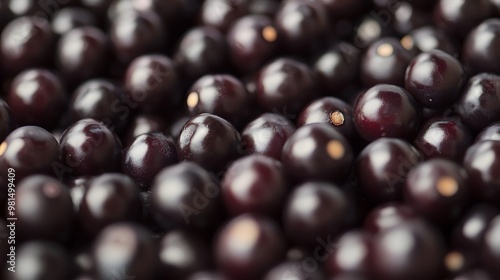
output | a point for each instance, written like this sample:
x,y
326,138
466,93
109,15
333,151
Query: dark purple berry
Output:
x,y
108,199
434,79
90,148
185,195
37,97
210,141
248,246
284,86
386,111
146,156
29,150
437,189
382,168
254,184
317,152
44,209
124,249
314,210
443,138
266,135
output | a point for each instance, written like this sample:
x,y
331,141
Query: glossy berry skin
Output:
x,y
71,18
331,110
443,138
57,134
144,123
221,14
135,33
185,195
250,82
222,95
252,41
50,259
137,252
407,17
317,152
459,17
491,255
287,269
29,150
313,210
491,132
26,42
194,249
248,246
37,97
77,187
44,209
82,53
151,83
350,256
385,62
202,50
437,189
429,38
210,141
337,68
7,123
254,184
386,111
302,25
108,199
369,31
479,54
382,168
496,5
484,174
98,7
434,79
90,148
146,156
27,7
100,100
266,135
117,8
389,215
282,86
31,8
479,101
417,254
468,234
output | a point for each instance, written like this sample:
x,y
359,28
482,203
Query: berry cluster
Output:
x,y
250,139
